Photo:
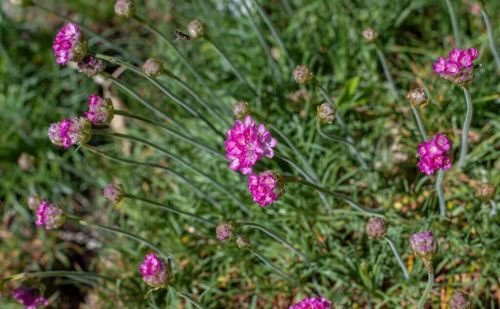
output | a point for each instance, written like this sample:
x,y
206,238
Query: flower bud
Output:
x,y
241,109
25,161
69,45
376,228
114,193
224,231
424,245
243,242
302,74
74,131
196,29
459,300
155,271
325,113
49,216
33,201
91,66
101,110
266,188
417,97
29,297
152,67
124,8
369,34
475,9
486,191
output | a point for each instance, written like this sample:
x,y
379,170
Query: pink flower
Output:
x,y
224,231
473,53
424,244
247,143
101,110
312,303
69,44
458,67
49,216
452,68
433,154
266,188
70,132
454,54
440,65
155,272
29,297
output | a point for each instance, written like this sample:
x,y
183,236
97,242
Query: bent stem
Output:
x,y
465,128
398,257
275,237
454,23
272,266
440,193
491,39
169,208
387,73
420,124
336,195
428,287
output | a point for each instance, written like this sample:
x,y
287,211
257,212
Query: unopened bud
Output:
x,y
49,215
475,9
224,231
241,109
302,74
369,34
33,201
424,244
91,66
417,97
376,228
25,161
124,8
486,191
196,29
325,113
152,67
114,193
243,242
459,300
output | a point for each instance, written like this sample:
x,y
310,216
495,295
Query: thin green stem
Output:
x,y
465,128
163,89
428,287
340,196
170,171
454,23
173,132
272,266
420,124
275,237
440,193
189,299
398,257
168,208
183,162
58,273
387,73
491,39
231,65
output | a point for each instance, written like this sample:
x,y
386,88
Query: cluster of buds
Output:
x,y
114,193
124,8
29,297
376,228
196,29
70,44
459,300
312,303
417,97
226,231
325,113
302,74
91,66
458,67
74,131
434,155
266,187
153,67
155,271
241,109
49,216
424,246
101,110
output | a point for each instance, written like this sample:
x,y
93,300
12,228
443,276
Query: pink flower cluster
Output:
x,y
29,297
247,143
69,44
458,66
433,154
49,216
101,110
69,132
312,303
266,188
154,271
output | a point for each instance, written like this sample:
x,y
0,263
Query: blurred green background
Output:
x,y
347,268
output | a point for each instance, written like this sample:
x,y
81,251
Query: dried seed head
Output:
x,y
241,109
125,8
114,193
243,242
302,74
376,228
417,97
325,113
196,29
25,161
224,231
369,34
486,191
459,300
152,67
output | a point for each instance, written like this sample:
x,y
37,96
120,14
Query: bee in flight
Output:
x,y
180,36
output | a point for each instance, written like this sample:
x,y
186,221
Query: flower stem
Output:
x,y
187,181
428,287
420,124
59,273
387,73
440,193
340,196
173,132
398,257
491,39
183,162
465,128
454,23
275,237
169,208
189,299
272,266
